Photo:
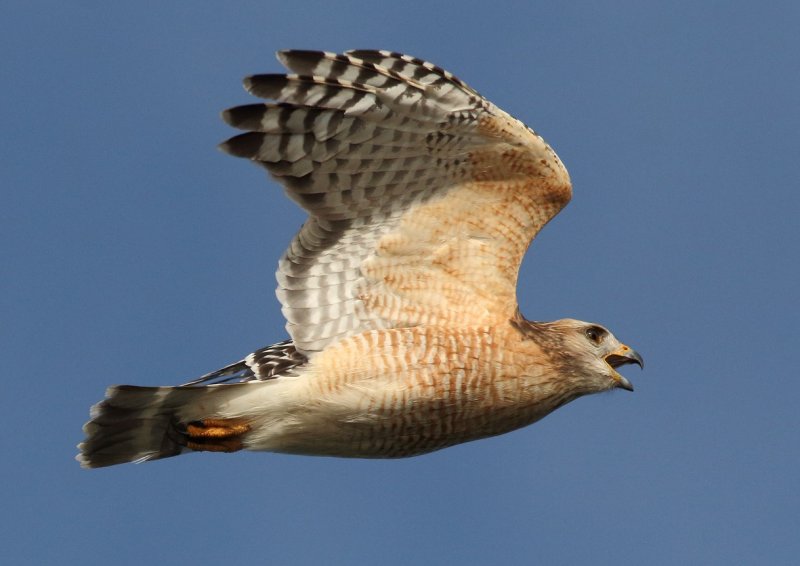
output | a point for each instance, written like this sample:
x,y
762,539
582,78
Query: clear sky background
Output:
x,y
135,252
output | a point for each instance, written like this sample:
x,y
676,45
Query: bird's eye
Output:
x,y
594,333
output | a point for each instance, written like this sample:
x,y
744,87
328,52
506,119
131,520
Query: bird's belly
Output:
x,y
427,397
393,422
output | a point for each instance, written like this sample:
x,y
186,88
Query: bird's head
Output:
x,y
594,354
586,353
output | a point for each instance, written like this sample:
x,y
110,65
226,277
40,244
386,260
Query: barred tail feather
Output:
x,y
135,424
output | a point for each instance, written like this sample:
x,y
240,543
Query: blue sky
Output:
x,y
135,252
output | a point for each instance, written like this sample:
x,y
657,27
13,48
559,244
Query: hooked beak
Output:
x,y
622,356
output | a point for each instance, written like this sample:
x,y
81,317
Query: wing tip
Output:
x,y
290,57
246,145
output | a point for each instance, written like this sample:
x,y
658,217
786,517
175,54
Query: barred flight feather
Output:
x,y
365,136
265,363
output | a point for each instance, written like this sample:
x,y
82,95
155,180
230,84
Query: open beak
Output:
x,y
622,356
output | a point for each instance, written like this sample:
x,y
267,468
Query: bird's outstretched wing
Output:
x,y
423,196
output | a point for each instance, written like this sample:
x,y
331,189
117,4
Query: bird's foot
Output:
x,y
215,435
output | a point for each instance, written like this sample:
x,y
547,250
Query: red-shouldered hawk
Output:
x,y
399,290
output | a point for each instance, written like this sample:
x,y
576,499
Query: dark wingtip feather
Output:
x,y
267,85
303,61
297,54
244,145
244,117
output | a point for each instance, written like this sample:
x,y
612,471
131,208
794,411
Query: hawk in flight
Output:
x,y
399,291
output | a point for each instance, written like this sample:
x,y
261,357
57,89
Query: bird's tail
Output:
x,y
135,424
